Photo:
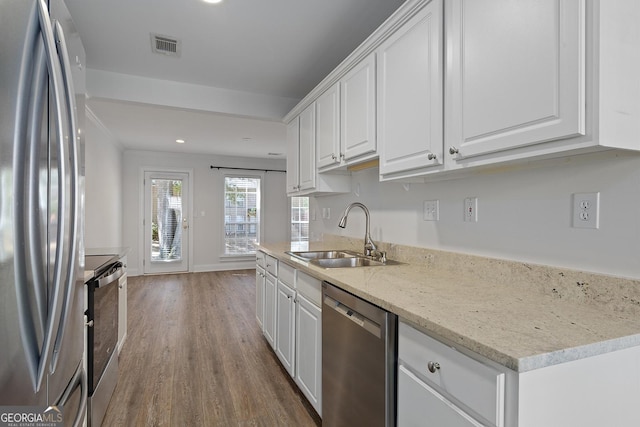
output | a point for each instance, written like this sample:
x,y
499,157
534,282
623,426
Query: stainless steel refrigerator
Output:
x,y
42,298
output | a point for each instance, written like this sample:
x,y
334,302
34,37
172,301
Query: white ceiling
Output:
x,y
250,61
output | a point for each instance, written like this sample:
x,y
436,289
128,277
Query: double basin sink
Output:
x,y
339,259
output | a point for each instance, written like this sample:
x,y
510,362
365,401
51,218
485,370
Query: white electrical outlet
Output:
x,y
431,210
471,209
586,210
326,213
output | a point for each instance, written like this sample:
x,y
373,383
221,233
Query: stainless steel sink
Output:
x,y
345,262
339,259
309,255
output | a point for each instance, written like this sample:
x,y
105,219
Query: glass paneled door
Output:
x,y
166,222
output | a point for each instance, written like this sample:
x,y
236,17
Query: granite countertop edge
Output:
x,y
408,299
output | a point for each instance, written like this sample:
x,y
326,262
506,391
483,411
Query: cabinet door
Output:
x,y
327,127
309,351
421,405
307,164
358,109
122,310
515,73
270,289
285,327
260,279
293,160
410,91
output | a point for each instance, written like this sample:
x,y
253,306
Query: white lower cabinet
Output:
x,y
260,279
122,308
285,327
288,308
309,351
421,405
270,292
439,386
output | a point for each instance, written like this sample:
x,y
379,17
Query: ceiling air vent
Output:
x,y
165,45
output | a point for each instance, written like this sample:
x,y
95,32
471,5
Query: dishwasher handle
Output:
x,y
357,318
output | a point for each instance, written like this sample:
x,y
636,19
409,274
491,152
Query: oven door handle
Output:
x,y
104,281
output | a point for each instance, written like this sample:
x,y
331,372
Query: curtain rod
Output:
x,y
246,169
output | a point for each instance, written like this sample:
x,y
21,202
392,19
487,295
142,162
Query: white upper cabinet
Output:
x,y
358,110
515,74
302,172
293,159
307,153
467,84
328,127
410,91
346,118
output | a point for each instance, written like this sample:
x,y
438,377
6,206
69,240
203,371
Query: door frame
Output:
x,y
141,213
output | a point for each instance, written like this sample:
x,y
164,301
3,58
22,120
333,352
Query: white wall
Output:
x,y
523,214
103,186
208,187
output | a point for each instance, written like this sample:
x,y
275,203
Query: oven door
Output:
x,y
102,340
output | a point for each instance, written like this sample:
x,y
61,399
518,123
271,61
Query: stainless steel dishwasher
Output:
x,y
359,348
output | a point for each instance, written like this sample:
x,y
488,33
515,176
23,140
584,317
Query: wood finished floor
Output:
x,y
195,356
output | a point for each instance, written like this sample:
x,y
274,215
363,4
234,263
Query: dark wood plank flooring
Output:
x,y
195,356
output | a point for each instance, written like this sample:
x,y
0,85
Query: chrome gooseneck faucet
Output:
x,y
369,247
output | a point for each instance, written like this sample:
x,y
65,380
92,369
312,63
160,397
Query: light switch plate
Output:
x,y
431,211
471,209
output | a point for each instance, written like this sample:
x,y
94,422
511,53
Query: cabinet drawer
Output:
x,y
419,405
310,287
271,265
287,275
260,258
478,386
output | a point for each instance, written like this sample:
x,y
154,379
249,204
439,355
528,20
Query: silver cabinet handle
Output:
x,y
431,156
453,150
433,367
89,323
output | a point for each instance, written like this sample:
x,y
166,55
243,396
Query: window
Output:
x,y
241,214
166,219
299,219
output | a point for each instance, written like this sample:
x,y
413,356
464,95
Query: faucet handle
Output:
x,y
379,255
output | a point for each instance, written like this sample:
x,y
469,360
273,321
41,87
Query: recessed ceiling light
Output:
x,y
180,141
212,1
275,154
246,139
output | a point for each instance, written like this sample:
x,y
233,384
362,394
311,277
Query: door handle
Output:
x,y
70,282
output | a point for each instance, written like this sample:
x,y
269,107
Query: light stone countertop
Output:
x,y
519,315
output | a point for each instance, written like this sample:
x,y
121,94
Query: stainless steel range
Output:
x,y
102,333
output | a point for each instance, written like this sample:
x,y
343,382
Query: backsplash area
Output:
x,y
524,213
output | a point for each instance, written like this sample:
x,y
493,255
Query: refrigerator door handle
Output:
x,y
69,283
55,305
31,102
32,210
79,380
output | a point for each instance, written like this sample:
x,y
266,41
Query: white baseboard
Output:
x,y
226,266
